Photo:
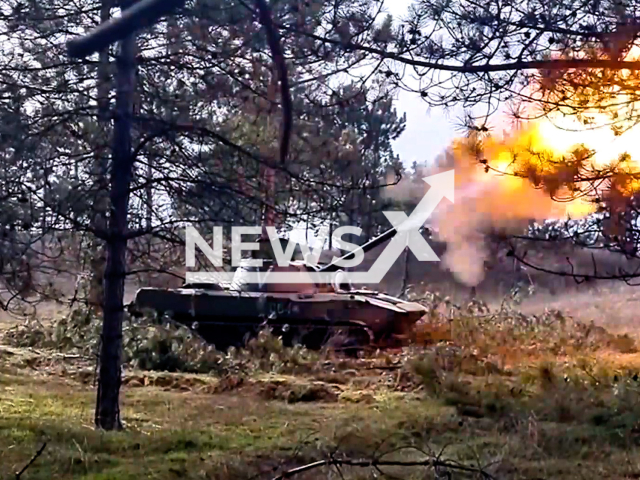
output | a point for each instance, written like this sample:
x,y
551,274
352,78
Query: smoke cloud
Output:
x,y
485,202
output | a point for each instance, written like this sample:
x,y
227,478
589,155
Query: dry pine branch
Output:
x,y
375,463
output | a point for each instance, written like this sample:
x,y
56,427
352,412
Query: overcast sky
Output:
x,y
428,132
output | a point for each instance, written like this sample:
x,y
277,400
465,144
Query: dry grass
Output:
x,y
192,426
615,306
543,397
529,422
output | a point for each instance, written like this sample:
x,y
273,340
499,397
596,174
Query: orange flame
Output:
x,y
533,173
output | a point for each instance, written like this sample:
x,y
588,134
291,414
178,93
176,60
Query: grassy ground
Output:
x,y
190,427
543,402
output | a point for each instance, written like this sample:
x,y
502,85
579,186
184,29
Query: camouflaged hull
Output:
x,y
307,313
227,318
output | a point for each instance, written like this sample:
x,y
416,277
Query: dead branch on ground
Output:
x,y
376,463
33,459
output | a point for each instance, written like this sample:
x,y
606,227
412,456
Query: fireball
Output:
x,y
567,163
582,148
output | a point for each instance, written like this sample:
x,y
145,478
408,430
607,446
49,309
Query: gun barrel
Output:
x,y
370,245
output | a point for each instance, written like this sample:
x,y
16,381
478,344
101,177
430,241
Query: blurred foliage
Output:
x,y
506,330
156,344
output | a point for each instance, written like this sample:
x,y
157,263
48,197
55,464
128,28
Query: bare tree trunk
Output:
x,y
405,275
369,227
100,172
306,225
107,415
45,196
330,226
149,194
353,211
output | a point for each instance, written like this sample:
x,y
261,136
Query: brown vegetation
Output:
x,y
517,396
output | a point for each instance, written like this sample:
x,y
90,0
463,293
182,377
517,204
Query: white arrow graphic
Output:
x,y
442,186
407,235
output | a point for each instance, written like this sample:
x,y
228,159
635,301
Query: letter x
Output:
x,y
408,235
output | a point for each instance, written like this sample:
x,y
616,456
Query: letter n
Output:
x,y
193,238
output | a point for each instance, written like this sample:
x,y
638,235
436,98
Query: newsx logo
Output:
x,y
407,236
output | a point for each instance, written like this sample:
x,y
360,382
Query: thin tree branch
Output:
x,y
486,68
33,459
375,463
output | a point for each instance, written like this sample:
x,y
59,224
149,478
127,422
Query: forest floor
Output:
x,y
543,402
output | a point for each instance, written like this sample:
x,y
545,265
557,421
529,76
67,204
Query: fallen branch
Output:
x,y
33,459
363,463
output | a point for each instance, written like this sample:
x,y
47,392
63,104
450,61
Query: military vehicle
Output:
x,y
310,314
